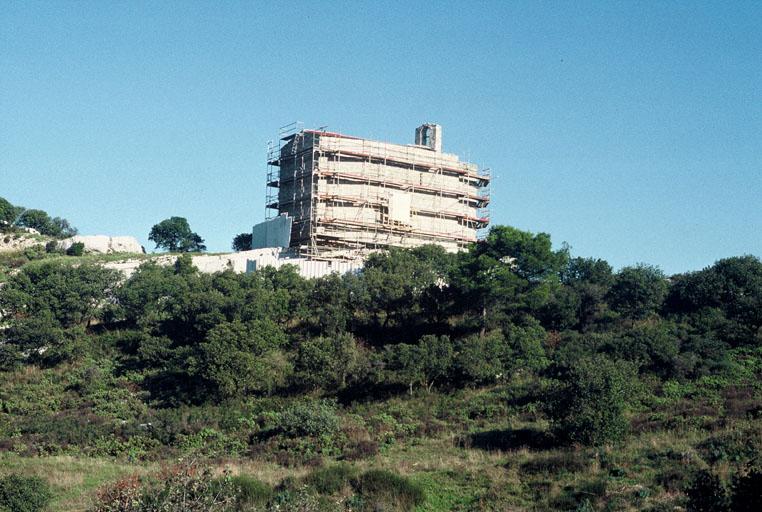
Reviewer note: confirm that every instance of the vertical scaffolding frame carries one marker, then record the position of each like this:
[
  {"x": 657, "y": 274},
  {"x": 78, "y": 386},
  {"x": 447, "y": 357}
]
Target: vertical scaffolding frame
[{"x": 341, "y": 188}]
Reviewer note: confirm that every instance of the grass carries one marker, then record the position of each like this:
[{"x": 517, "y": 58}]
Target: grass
[
  {"x": 73, "y": 480},
  {"x": 649, "y": 470},
  {"x": 450, "y": 476}
]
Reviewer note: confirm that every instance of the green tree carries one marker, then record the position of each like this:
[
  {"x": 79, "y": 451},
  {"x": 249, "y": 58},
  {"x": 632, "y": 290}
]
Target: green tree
[
  {"x": 332, "y": 300},
  {"x": 61, "y": 228},
  {"x": 145, "y": 298},
  {"x": 590, "y": 401},
  {"x": 654, "y": 347},
  {"x": 242, "y": 242},
  {"x": 482, "y": 359},
  {"x": 327, "y": 362},
  {"x": 508, "y": 275},
  {"x": 590, "y": 280},
  {"x": 174, "y": 234},
  {"x": 527, "y": 346},
  {"x": 241, "y": 358},
  {"x": 729, "y": 292},
  {"x": 396, "y": 282},
  {"x": 36, "y": 219},
  {"x": 42, "y": 222},
  {"x": 71, "y": 295},
  {"x": 638, "y": 291},
  {"x": 707, "y": 493},
  {"x": 7, "y": 212},
  {"x": 562, "y": 309},
  {"x": 424, "y": 364}
]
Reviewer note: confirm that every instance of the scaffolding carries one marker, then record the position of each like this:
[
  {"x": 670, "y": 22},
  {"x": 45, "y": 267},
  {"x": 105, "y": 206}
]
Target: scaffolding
[{"x": 348, "y": 195}]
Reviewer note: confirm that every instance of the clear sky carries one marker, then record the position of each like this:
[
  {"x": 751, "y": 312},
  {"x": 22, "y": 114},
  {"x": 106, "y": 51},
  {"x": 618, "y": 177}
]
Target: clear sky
[{"x": 632, "y": 131}]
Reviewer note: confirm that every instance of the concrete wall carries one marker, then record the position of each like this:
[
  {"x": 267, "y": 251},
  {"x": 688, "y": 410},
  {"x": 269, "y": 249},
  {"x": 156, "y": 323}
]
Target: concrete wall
[
  {"x": 208, "y": 263},
  {"x": 245, "y": 261},
  {"x": 275, "y": 232},
  {"x": 306, "y": 268}
]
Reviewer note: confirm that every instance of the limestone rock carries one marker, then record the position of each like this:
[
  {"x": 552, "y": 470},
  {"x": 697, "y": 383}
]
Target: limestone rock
[{"x": 105, "y": 244}]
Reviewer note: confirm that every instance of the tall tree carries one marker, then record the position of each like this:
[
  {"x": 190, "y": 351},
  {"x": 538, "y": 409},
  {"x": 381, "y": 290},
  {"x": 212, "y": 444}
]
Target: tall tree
[
  {"x": 730, "y": 291},
  {"x": 7, "y": 211},
  {"x": 638, "y": 291},
  {"x": 242, "y": 242},
  {"x": 509, "y": 274},
  {"x": 36, "y": 219},
  {"x": 174, "y": 234},
  {"x": 397, "y": 281}
]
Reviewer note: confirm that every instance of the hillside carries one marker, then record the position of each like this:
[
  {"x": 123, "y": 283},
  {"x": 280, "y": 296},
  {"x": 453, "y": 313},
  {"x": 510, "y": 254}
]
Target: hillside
[{"x": 509, "y": 377}]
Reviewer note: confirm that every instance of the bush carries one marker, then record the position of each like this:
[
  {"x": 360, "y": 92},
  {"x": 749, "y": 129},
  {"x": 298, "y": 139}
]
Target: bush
[
  {"x": 312, "y": 418},
  {"x": 124, "y": 495},
  {"x": 747, "y": 492},
  {"x": 332, "y": 479},
  {"x": 383, "y": 490},
  {"x": 23, "y": 494},
  {"x": 186, "y": 488},
  {"x": 588, "y": 406},
  {"x": 76, "y": 249},
  {"x": 52, "y": 248},
  {"x": 10, "y": 357},
  {"x": 250, "y": 492},
  {"x": 707, "y": 493},
  {"x": 732, "y": 446},
  {"x": 36, "y": 252}
]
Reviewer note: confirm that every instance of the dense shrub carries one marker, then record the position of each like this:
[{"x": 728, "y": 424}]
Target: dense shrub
[
  {"x": 76, "y": 249},
  {"x": 332, "y": 479},
  {"x": 638, "y": 291},
  {"x": 69, "y": 295},
  {"x": 482, "y": 359},
  {"x": 383, "y": 490},
  {"x": 747, "y": 492},
  {"x": 10, "y": 357},
  {"x": 249, "y": 492},
  {"x": 217, "y": 365},
  {"x": 733, "y": 446},
  {"x": 316, "y": 418},
  {"x": 327, "y": 362},
  {"x": 424, "y": 363},
  {"x": 23, "y": 494},
  {"x": 707, "y": 493},
  {"x": 589, "y": 405}
]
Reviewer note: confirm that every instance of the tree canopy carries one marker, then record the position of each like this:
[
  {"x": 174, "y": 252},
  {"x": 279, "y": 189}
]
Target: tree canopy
[
  {"x": 242, "y": 242},
  {"x": 174, "y": 234},
  {"x": 38, "y": 220}
]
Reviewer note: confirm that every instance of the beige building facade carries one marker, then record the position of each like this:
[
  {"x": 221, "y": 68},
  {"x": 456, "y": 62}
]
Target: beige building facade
[{"x": 347, "y": 194}]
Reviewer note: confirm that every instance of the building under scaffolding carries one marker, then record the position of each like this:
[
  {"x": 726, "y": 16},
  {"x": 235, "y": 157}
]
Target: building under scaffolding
[{"x": 345, "y": 195}]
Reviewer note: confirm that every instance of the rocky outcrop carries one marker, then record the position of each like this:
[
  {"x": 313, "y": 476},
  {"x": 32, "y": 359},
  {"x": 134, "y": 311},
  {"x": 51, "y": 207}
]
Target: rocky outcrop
[
  {"x": 12, "y": 242},
  {"x": 105, "y": 244}
]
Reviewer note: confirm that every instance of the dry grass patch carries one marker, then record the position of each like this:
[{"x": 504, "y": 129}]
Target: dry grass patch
[{"x": 72, "y": 479}]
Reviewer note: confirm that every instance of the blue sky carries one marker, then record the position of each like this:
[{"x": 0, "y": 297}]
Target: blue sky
[{"x": 632, "y": 131}]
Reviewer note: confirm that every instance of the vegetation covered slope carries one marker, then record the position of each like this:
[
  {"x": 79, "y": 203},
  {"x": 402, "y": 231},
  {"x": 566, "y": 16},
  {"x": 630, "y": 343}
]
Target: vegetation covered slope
[{"x": 508, "y": 377}]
